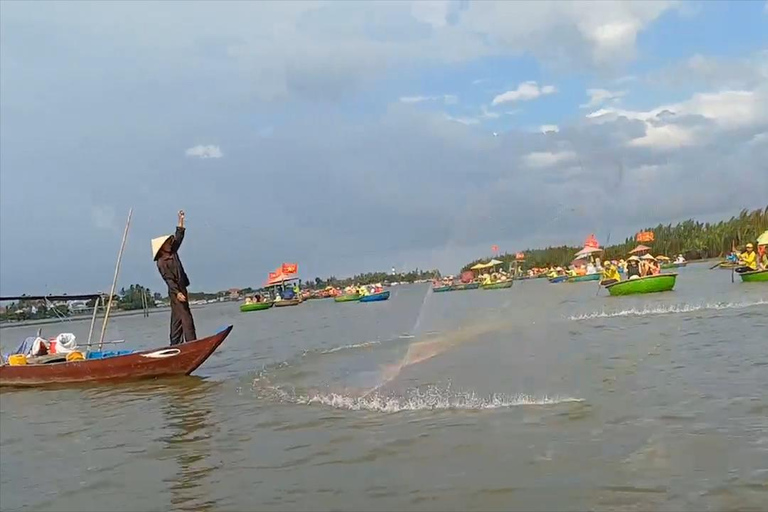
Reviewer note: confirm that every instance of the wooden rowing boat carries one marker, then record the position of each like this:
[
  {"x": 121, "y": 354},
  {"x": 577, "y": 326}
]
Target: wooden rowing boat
[
  {"x": 647, "y": 284},
  {"x": 180, "y": 359},
  {"x": 255, "y": 306},
  {"x": 755, "y": 276},
  {"x": 375, "y": 297}
]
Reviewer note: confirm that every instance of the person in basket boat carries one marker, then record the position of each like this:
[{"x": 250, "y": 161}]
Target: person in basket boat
[
  {"x": 610, "y": 274},
  {"x": 748, "y": 259},
  {"x": 633, "y": 268},
  {"x": 763, "y": 256},
  {"x": 165, "y": 251}
]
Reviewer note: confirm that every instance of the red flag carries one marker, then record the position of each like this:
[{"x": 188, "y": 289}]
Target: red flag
[
  {"x": 273, "y": 276},
  {"x": 495, "y": 248},
  {"x": 290, "y": 268},
  {"x": 644, "y": 236}
]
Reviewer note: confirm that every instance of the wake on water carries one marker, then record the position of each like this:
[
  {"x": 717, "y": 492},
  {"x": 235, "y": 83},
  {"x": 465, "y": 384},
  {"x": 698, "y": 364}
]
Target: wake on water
[{"x": 667, "y": 310}]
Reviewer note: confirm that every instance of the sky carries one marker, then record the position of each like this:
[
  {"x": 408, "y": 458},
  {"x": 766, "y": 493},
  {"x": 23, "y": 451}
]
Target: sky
[{"x": 361, "y": 136}]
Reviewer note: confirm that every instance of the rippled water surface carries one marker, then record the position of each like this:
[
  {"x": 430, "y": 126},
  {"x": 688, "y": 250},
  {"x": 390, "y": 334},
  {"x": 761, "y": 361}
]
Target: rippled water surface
[{"x": 539, "y": 397}]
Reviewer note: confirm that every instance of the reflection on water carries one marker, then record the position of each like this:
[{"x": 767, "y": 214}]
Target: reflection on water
[{"x": 541, "y": 397}]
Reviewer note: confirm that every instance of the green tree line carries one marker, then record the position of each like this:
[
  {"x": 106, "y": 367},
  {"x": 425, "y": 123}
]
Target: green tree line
[
  {"x": 373, "y": 277},
  {"x": 694, "y": 240}
]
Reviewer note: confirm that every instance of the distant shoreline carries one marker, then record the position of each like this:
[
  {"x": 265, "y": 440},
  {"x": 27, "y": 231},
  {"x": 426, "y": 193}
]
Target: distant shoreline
[{"x": 81, "y": 318}]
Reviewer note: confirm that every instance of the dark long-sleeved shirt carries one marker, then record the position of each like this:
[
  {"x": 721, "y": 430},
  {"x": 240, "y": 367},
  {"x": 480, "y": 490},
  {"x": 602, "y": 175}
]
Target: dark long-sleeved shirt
[{"x": 170, "y": 266}]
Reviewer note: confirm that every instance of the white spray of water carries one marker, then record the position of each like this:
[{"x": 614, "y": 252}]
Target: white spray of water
[
  {"x": 430, "y": 398},
  {"x": 667, "y": 310}
]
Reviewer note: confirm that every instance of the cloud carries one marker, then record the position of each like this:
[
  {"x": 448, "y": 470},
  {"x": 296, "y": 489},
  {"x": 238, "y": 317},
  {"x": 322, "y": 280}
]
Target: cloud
[
  {"x": 201, "y": 151},
  {"x": 447, "y": 99},
  {"x": 599, "y": 97},
  {"x": 548, "y": 158},
  {"x": 709, "y": 72},
  {"x": 549, "y": 128},
  {"x": 695, "y": 120},
  {"x": 526, "y": 91},
  {"x": 463, "y": 120}
]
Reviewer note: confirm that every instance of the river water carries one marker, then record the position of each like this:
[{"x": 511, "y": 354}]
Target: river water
[{"x": 540, "y": 397}]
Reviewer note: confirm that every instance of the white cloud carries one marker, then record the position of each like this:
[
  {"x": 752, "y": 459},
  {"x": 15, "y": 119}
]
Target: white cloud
[
  {"x": 526, "y": 91},
  {"x": 549, "y": 128},
  {"x": 548, "y": 158},
  {"x": 201, "y": 151},
  {"x": 448, "y": 99},
  {"x": 726, "y": 110},
  {"x": 599, "y": 97}
]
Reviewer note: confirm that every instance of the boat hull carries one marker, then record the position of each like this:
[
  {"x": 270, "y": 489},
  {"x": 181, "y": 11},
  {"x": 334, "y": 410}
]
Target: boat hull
[
  {"x": 441, "y": 289},
  {"x": 288, "y": 302},
  {"x": 497, "y": 286},
  {"x": 255, "y": 306},
  {"x": 180, "y": 359},
  {"x": 649, "y": 284},
  {"x": 347, "y": 298},
  {"x": 756, "y": 276},
  {"x": 465, "y": 286},
  {"x": 558, "y": 279},
  {"x": 673, "y": 265},
  {"x": 375, "y": 297},
  {"x": 582, "y": 279}
]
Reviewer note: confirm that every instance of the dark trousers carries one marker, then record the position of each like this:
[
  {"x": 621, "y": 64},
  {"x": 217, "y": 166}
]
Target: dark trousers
[{"x": 181, "y": 321}]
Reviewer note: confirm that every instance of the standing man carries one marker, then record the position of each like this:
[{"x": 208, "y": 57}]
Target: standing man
[{"x": 165, "y": 250}]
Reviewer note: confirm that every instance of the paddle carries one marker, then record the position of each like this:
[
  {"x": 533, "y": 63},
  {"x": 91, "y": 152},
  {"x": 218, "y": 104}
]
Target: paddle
[
  {"x": 599, "y": 281},
  {"x": 716, "y": 265}
]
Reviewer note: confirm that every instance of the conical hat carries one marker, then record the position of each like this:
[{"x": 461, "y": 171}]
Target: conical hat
[{"x": 157, "y": 243}]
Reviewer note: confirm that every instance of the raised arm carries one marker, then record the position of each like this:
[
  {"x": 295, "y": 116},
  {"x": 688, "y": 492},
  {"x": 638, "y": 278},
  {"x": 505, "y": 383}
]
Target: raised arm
[{"x": 180, "y": 230}]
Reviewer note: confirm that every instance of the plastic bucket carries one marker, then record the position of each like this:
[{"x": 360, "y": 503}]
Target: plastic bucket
[{"x": 17, "y": 360}]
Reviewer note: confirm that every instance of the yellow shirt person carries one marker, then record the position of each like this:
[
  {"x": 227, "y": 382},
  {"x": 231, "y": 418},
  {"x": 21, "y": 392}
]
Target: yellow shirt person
[{"x": 749, "y": 257}]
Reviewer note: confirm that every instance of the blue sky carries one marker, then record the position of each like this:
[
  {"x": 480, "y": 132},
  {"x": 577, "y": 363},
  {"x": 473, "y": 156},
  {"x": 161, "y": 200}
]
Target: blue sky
[{"x": 360, "y": 136}]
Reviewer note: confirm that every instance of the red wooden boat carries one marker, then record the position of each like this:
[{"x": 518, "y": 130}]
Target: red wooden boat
[{"x": 180, "y": 359}]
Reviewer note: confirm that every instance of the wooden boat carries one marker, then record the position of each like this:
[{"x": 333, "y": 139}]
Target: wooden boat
[
  {"x": 497, "y": 286},
  {"x": 375, "y": 297},
  {"x": 755, "y": 276},
  {"x": 287, "y": 302},
  {"x": 673, "y": 265},
  {"x": 557, "y": 279},
  {"x": 648, "y": 284},
  {"x": 440, "y": 289},
  {"x": 465, "y": 286},
  {"x": 180, "y": 359},
  {"x": 584, "y": 278},
  {"x": 255, "y": 306},
  {"x": 347, "y": 298}
]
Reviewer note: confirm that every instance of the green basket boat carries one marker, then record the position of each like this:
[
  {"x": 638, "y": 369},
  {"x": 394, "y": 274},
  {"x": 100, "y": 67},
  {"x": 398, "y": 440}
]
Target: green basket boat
[
  {"x": 581, "y": 279},
  {"x": 255, "y": 306},
  {"x": 347, "y": 298},
  {"x": 440, "y": 289},
  {"x": 465, "y": 286},
  {"x": 648, "y": 284},
  {"x": 497, "y": 286},
  {"x": 756, "y": 276}
]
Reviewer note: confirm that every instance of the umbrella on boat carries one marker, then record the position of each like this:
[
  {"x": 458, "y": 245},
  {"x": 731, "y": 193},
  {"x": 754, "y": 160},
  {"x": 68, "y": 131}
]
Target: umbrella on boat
[
  {"x": 640, "y": 248},
  {"x": 481, "y": 266},
  {"x": 763, "y": 239},
  {"x": 586, "y": 251},
  {"x": 662, "y": 258}
]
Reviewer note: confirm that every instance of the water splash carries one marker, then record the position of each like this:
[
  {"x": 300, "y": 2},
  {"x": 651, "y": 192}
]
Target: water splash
[
  {"x": 350, "y": 347},
  {"x": 427, "y": 399},
  {"x": 667, "y": 310}
]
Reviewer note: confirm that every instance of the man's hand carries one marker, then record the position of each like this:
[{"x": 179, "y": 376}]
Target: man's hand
[
  {"x": 180, "y": 297},
  {"x": 181, "y": 218}
]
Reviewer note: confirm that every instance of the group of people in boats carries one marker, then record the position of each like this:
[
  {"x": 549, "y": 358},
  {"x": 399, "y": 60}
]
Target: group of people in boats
[
  {"x": 749, "y": 260},
  {"x": 633, "y": 267},
  {"x": 363, "y": 290}
]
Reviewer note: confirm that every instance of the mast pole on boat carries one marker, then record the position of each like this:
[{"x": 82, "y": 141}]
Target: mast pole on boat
[
  {"x": 114, "y": 280},
  {"x": 93, "y": 318}
]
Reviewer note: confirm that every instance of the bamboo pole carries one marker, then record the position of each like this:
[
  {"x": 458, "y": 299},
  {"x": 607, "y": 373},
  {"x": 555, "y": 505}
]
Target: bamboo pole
[
  {"x": 93, "y": 318},
  {"x": 114, "y": 280}
]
